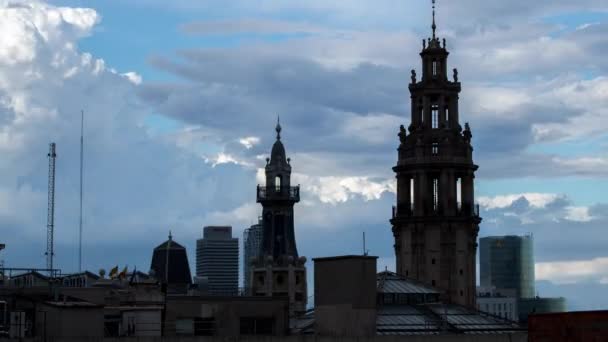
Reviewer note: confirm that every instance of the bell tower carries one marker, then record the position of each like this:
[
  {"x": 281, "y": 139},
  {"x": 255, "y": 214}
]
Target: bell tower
[
  {"x": 435, "y": 222},
  {"x": 279, "y": 271}
]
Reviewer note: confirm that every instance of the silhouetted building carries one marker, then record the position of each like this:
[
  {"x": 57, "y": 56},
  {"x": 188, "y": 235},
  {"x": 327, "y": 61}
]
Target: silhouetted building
[
  {"x": 217, "y": 259},
  {"x": 581, "y": 326},
  {"x": 507, "y": 262},
  {"x": 436, "y": 220},
  {"x": 252, "y": 247},
  {"x": 170, "y": 266},
  {"x": 279, "y": 271},
  {"x": 352, "y": 300},
  {"x": 226, "y": 316}
]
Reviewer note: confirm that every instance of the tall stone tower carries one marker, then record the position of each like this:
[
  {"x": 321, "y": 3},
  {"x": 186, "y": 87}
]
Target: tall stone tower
[
  {"x": 279, "y": 271},
  {"x": 436, "y": 221}
]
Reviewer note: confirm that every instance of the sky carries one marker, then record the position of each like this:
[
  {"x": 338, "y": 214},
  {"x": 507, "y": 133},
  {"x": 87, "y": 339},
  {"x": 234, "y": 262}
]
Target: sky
[{"x": 181, "y": 99}]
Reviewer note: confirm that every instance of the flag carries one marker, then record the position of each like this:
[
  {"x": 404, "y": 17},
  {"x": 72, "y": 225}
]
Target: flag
[
  {"x": 113, "y": 272},
  {"x": 123, "y": 273}
]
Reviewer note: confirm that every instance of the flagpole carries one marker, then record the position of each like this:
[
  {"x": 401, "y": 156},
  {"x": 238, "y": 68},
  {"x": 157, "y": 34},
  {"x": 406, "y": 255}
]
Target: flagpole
[{"x": 81, "y": 181}]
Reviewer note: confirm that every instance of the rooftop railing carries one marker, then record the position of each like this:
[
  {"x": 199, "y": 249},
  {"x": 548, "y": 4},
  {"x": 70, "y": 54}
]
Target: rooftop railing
[
  {"x": 279, "y": 192},
  {"x": 406, "y": 210}
]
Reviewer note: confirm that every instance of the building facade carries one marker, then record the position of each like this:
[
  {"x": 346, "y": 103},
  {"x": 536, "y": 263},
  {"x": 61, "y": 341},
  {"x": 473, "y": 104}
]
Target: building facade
[
  {"x": 507, "y": 262},
  {"x": 538, "y": 305},
  {"x": 217, "y": 260},
  {"x": 436, "y": 221},
  {"x": 498, "y": 302},
  {"x": 279, "y": 271},
  {"x": 252, "y": 246}
]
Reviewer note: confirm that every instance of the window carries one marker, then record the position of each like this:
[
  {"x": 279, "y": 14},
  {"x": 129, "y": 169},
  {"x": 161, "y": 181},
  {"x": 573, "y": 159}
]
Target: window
[
  {"x": 256, "y": 326},
  {"x": 435, "y": 115},
  {"x": 435, "y": 149},
  {"x": 459, "y": 191},
  {"x": 412, "y": 191},
  {"x": 435, "y": 194},
  {"x": 434, "y": 68},
  {"x": 204, "y": 326},
  {"x": 421, "y": 115},
  {"x": 277, "y": 183},
  {"x": 433, "y": 282},
  {"x": 461, "y": 272},
  {"x": 433, "y": 261},
  {"x": 407, "y": 273},
  {"x": 461, "y": 293}
]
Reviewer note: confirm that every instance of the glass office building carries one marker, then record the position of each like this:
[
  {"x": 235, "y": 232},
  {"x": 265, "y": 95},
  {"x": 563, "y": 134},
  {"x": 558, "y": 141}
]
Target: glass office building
[{"x": 507, "y": 262}]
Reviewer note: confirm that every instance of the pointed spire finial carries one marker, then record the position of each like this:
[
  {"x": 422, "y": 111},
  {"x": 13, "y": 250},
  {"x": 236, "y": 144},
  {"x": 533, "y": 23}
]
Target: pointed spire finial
[
  {"x": 278, "y": 128},
  {"x": 434, "y": 26},
  {"x": 170, "y": 235}
]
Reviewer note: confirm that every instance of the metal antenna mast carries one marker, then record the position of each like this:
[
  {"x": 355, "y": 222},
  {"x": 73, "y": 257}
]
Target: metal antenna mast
[
  {"x": 81, "y": 168},
  {"x": 50, "y": 223}
]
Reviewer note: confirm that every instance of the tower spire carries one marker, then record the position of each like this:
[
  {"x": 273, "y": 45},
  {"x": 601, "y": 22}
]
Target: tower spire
[
  {"x": 278, "y": 128},
  {"x": 434, "y": 26}
]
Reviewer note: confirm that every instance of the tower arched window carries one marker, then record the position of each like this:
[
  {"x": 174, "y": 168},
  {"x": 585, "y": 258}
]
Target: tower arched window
[
  {"x": 435, "y": 66},
  {"x": 459, "y": 193},
  {"x": 277, "y": 183},
  {"x": 435, "y": 115}
]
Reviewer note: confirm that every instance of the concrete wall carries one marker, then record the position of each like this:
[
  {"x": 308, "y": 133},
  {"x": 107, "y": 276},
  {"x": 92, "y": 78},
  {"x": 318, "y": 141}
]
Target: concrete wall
[
  {"x": 71, "y": 322},
  {"x": 346, "y": 280},
  {"x": 345, "y": 296},
  {"x": 520, "y": 337},
  {"x": 227, "y": 312}
]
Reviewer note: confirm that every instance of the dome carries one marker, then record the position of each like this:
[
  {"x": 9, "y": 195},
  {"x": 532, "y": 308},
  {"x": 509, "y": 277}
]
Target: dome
[{"x": 278, "y": 153}]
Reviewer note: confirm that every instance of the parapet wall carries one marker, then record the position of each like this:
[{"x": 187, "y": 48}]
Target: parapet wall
[{"x": 516, "y": 337}]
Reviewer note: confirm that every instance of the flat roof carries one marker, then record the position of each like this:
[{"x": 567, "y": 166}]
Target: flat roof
[{"x": 344, "y": 257}]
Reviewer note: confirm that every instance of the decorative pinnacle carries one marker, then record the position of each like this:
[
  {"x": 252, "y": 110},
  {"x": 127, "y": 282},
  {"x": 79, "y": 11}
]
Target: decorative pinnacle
[
  {"x": 170, "y": 235},
  {"x": 434, "y": 27},
  {"x": 278, "y": 128}
]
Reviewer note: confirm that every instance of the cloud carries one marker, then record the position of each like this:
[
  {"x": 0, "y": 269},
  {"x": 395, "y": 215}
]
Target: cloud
[
  {"x": 247, "y": 26},
  {"x": 564, "y": 272},
  {"x": 249, "y": 142},
  {"x": 537, "y": 200}
]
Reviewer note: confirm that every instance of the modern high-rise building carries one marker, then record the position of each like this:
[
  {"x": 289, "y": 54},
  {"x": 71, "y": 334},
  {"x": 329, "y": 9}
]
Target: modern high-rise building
[
  {"x": 507, "y": 262},
  {"x": 252, "y": 246},
  {"x": 217, "y": 260},
  {"x": 436, "y": 220}
]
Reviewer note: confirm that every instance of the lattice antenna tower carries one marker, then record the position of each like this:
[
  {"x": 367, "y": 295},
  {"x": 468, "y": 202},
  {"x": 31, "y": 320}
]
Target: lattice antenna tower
[{"x": 50, "y": 219}]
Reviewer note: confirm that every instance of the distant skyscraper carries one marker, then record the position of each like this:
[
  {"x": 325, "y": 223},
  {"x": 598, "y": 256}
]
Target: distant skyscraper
[
  {"x": 507, "y": 262},
  {"x": 252, "y": 242},
  {"x": 217, "y": 259}
]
